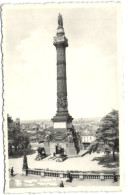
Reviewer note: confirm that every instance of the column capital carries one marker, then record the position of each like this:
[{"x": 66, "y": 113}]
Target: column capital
[{"x": 60, "y": 41}]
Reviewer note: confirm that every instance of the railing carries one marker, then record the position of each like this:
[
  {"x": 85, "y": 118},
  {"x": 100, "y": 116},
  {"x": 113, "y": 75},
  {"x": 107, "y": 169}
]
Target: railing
[
  {"x": 91, "y": 176},
  {"x": 75, "y": 175}
]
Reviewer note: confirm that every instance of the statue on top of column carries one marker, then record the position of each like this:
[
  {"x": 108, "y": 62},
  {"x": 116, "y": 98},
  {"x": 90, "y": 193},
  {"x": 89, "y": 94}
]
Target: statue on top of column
[{"x": 60, "y": 21}]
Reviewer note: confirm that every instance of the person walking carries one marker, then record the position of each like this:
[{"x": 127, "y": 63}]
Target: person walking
[
  {"x": 115, "y": 179},
  {"x": 61, "y": 184},
  {"x": 69, "y": 176},
  {"x": 12, "y": 171}
]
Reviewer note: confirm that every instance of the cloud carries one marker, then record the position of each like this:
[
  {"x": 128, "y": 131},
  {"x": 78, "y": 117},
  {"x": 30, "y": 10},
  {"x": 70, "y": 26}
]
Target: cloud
[
  {"x": 92, "y": 81},
  {"x": 34, "y": 79},
  {"x": 31, "y": 62}
]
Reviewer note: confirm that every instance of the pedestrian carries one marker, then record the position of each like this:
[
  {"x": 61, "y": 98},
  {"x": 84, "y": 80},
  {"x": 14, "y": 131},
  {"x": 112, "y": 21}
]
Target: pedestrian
[
  {"x": 115, "y": 178},
  {"x": 12, "y": 171},
  {"x": 70, "y": 179},
  {"x": 61, "y": 184},
  {"x": 69, "y": 176}
]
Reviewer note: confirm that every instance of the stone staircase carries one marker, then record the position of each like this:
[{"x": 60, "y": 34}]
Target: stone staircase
[
  {"x": 80, "y": 154},
  {"x": 83, "y": 152}
]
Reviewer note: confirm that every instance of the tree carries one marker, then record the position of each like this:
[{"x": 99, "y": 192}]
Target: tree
[
  {"x": 107, "y": 135},
  {"x": 21, "y": 140}
]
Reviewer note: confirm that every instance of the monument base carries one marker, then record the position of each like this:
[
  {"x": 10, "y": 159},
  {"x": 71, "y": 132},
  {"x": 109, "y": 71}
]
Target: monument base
[
  {"x": 47, "y": 147},
  {"x": 68, "y": 149},
  {"x": 62, "y": 116},
  {"x": 61, "y": 140}
]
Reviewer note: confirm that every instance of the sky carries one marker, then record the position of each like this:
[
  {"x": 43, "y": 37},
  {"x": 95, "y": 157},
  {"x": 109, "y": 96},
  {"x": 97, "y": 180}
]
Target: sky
[{"x": 30, "y": 60}]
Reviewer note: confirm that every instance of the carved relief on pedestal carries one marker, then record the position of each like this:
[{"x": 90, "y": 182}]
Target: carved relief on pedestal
[
  {"x": 59, "y": 136},
  {"x": 62, "y": 103},
  {"x": 48, "y": 137},
  {"x": 69, "y": 137}
]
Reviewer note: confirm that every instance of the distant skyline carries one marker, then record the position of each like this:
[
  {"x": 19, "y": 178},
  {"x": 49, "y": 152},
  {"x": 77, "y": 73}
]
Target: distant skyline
[
  {"x": 89, "y": 118},
  {"x": 91, "y": 61}
]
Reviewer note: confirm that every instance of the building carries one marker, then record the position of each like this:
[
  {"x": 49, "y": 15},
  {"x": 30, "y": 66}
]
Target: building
[{"x": 87, "y": 140}]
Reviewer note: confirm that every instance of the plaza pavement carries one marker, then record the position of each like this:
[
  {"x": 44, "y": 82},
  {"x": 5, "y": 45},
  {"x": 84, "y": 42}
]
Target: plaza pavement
[{"x": 84, "y": 163}]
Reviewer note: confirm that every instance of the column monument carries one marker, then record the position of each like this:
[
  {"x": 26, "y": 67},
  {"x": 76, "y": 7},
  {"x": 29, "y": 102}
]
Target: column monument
[
  {"x": 62, "y": 118},
  {"x": 63, "y": 135}
]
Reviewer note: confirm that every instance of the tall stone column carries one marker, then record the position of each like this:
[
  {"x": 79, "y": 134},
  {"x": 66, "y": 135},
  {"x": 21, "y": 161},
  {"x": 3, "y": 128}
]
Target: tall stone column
[
  {"x": 63, "y": 135},
  {"x": 61, "y": 42}
]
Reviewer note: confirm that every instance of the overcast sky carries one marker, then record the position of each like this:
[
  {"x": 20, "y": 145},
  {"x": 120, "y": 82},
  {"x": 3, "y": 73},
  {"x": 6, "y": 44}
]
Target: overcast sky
[{"x": 30, "y": 60}]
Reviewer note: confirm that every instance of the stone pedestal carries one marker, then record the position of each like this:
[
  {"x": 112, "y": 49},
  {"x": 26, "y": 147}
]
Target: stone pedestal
[
  {"x": 47, "y": 147},
  {"x": 61, "y": 175},
  {"x": 81, "y": 177},
  {"x": 71, "y": 149},
  {"x": 42, "y": 174},
  {"x": 24, "y": 172}
]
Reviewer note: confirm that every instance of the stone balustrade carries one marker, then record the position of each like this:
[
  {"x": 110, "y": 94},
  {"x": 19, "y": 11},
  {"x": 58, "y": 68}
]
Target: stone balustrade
[{"x": 75, "y": 175}]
